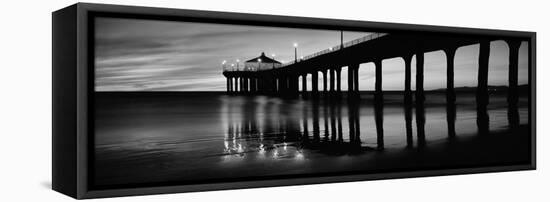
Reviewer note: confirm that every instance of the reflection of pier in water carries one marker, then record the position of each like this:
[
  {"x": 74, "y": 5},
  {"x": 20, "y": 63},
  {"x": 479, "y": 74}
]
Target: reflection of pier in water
[
  {"x": 331, "y": 127},
  {"x": 271, "y": 130}
]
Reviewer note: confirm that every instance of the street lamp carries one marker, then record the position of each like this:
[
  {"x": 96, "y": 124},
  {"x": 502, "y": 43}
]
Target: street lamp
[
  {"x": 341, "y": 39},
  {"x": 259, "y": 61},
  {"x": 295, "y": 52},
  {"x": 223, "y": 64}
]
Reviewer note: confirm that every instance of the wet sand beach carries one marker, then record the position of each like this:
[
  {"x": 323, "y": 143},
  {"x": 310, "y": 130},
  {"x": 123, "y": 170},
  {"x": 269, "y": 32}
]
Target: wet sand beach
[{"x": 143, "y": 138}]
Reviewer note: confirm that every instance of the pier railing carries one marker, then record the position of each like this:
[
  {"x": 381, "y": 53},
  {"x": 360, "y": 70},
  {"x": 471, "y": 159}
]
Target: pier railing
[{"x": 318, "y": 53}]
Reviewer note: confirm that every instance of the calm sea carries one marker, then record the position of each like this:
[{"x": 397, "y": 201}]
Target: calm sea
[{"x": 144, "y": 138}]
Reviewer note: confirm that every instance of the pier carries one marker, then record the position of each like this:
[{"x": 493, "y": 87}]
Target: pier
[{"x": 284, "y": 80}]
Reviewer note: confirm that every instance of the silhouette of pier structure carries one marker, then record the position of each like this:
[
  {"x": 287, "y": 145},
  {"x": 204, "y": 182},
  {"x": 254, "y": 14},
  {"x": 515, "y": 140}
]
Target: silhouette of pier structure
[{"x": 284, "y": 80}]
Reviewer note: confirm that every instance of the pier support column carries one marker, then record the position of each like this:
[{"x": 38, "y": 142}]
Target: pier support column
[
  {"x": 240, "y": 84},
  {"x": 257, "y": 84},
  {"x": 260, "y": 83},
  {"x": 295, "y": 87},
  {"x": 284, "y": 85},
  {"x": 482, "y": 94},
  {"x": 339, "y": 80},
  {"x": 304, "y": 85},
  {"x": 513, "y": 114},
  {"x": 420, "y": 76},
  {"x": 251, "y": 84},
  {"x": 408, "y": 123},
  {"x": 350, "y": 79},
  {"x": 332, "y": 71},
  {"x": 274, "y": 85},
  {"x": 227, "y": 85},
  {"x": 379, "y": 105},
  {"x": 252, "y": 87},
  {"x": 277, "y": 85},
  {"x": 420, "y": 113},
  {"x": 378, "y": 73},
  {"x": 356, "y": 80},
  {"x": 236, "y": 84},
  {"x": 379, "y": 119},
  {"x": 450, "y": 53},
  {"x": 325, "y": 74},
  {"x": 408, "y": 93},
  {"x": 315, "y": 83},
  {"x": 254, "y": 83},
  {"x": 240, "y": 81},
  {"x": 287, "y": 84},
  {"x": 230, "y": 82},
  {"x": 451, "y": 97},
  {"x": 248, "y": 84},
  {"x": 245, "y": 80}
]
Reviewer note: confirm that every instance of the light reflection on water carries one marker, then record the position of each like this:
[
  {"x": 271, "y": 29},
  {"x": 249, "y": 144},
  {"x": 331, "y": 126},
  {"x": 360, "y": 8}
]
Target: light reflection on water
[
  {"x": 189, "y": 137},
  {"x": 269, "y": 127}
]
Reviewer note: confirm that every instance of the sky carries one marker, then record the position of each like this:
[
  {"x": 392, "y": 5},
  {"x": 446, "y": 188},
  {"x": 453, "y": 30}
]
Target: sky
[{"x": 152, "y": 55}]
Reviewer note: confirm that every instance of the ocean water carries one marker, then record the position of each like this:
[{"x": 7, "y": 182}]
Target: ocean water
[{"x": 179, "y": 138}]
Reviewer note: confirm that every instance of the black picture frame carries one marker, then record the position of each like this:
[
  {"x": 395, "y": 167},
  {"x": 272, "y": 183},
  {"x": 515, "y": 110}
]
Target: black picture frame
[{"x": 73, "y": 82}]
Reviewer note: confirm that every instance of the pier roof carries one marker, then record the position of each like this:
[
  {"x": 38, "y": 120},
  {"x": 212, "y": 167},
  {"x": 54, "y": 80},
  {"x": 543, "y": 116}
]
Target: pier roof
[{"x": 264, "y": 59}]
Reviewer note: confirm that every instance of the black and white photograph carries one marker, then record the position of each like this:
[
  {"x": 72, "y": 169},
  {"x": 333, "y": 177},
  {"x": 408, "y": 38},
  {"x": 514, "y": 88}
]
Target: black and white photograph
[
  {"x": 270, "y": 101},
  {"x": 179, "y": 102}
]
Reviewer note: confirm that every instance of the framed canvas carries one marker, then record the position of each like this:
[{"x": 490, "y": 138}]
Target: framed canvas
[{"x": 156, "y": 100}]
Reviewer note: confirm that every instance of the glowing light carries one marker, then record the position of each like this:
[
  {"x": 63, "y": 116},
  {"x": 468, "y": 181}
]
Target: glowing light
[
  {"x": 240, "y": 150},
  {"x": 238, "y": 60},
  {"x": 259, "y": 60},
  {"x": 299, "y": 156},
  {"x": 295, "y": 44},
  {"x": 224, "y": 62},
  {"x": 262, "y": 149}
]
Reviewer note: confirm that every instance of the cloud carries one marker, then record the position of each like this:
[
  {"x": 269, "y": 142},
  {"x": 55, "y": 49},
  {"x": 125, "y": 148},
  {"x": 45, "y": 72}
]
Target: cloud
[{"x": 152, "y": 55}]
